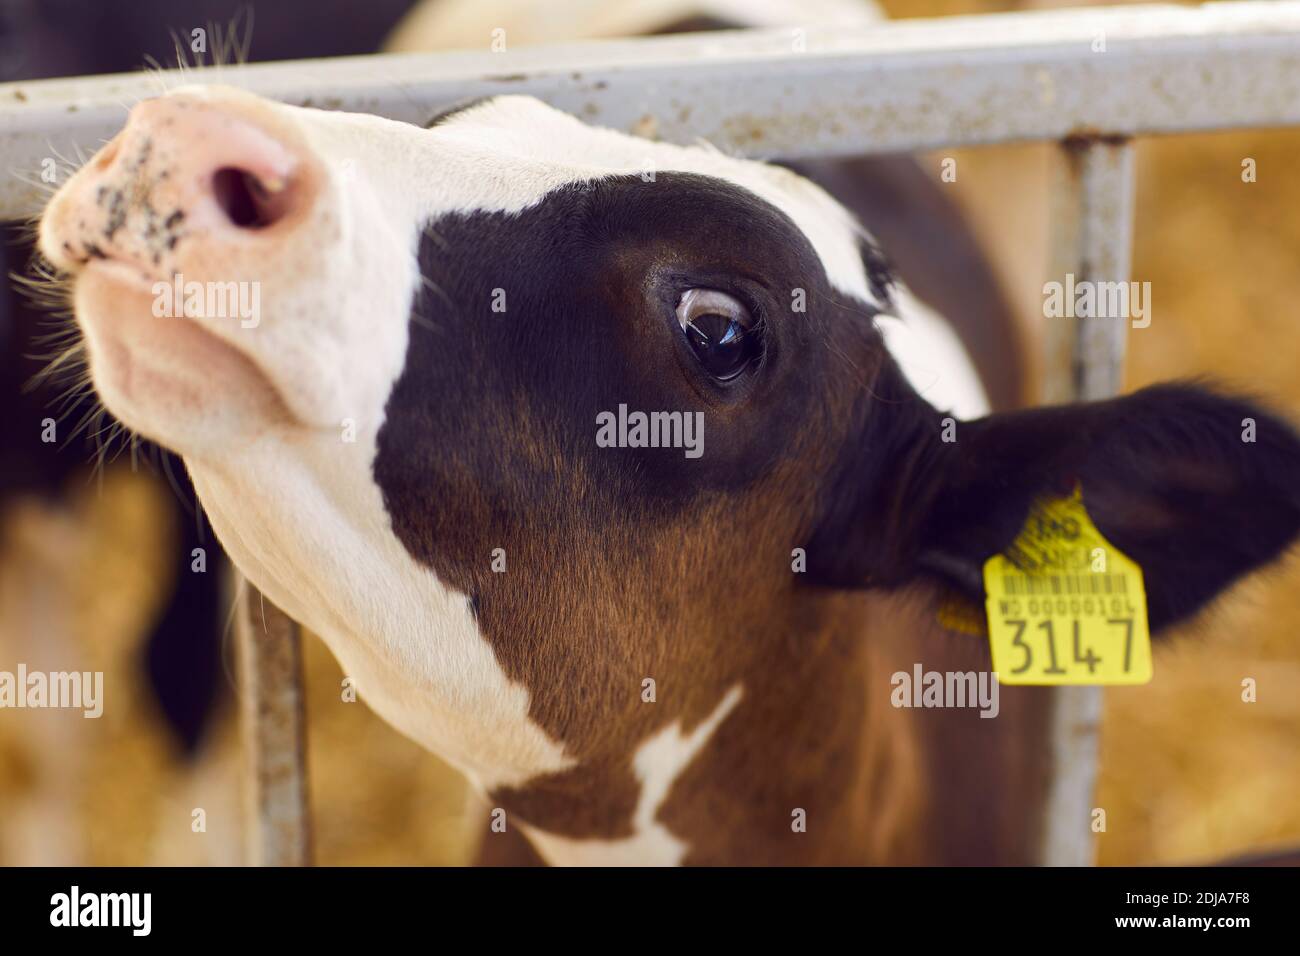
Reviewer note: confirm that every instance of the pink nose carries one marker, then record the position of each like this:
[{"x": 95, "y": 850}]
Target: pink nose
[{"x": 185, "y": 171}]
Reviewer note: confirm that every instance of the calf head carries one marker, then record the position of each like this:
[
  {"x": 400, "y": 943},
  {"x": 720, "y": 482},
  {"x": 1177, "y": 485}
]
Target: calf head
[{"x": 425, "y": 446}]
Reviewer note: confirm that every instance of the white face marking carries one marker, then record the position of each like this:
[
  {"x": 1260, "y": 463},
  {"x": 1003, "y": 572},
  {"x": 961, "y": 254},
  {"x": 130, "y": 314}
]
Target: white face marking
[
  {"x": 658, "y": 762},
  {"x": 932, "y": 358},
  {"x": 292, "y": 498},
  {"x": 512, "y": 151},
  {"x": 464, "y": 24},
  {"x": 325, "y": 555}
]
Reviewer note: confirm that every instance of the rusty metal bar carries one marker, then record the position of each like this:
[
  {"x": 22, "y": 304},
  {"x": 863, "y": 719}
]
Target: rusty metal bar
[
  {"x": 893, "y": 87},
  {"x": 1092, "y": 223},
  {"x": 274, "y": 730}
]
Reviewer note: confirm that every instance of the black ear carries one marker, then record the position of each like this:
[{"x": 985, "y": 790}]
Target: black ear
[{"x": 1197, "y": 489}]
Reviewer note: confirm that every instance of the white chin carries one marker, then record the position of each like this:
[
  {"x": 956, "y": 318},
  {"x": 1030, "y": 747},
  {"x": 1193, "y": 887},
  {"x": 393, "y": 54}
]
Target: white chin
[{"x": 167, "y": 378}]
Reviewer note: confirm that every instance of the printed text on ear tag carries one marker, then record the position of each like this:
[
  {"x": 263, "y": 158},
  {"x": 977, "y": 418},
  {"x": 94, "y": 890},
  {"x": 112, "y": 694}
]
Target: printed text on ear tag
[{"x": 1064, "y": 605}]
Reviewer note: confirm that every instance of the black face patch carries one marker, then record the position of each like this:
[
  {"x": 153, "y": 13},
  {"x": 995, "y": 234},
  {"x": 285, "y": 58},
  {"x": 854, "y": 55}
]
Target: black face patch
[
  {"x": 592, "y": 568},
  {"x": 532, "y": 325}
]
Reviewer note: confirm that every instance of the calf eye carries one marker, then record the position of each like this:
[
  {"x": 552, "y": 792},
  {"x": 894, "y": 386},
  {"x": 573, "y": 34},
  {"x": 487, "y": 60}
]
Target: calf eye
[{"x": 720, "y": 330}]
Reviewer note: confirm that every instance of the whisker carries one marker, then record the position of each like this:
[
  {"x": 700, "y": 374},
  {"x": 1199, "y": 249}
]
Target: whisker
[
  {"x": 86, "y": 421},
  {"x": 166, "y": 462},
  {"x": 433, "y": 287},
  {"x": 424, "y": 323},
  {"x": 226, "y": 633},
  {"x": 437, "y": 238},
  {"x": 182, "y": 58},
  {"x": 48, "y": 188}
]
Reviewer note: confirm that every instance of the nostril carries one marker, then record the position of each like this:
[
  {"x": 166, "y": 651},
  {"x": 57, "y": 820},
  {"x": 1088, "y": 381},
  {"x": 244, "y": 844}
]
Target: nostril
[{"x": 247, "y": 201}]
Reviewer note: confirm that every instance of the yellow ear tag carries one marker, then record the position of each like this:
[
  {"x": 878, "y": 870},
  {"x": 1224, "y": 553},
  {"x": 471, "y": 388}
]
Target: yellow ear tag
[{"x": 1065, "y": 606}]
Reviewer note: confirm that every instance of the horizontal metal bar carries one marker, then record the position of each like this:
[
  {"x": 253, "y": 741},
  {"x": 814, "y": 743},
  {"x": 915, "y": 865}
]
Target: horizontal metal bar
[{"x": 898, "y": 86}]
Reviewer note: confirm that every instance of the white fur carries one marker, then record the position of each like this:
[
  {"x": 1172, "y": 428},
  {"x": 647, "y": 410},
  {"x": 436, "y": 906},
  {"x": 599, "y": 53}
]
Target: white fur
[
  {"x": 469, "y": 24},
  {"x": 658, "y": 762},
  {"x": 306, "y": 524},
  {"x": 932, "y": 358}
]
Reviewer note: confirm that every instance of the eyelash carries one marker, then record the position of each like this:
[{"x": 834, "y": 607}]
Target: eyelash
[{"x": 754, "y": 324}]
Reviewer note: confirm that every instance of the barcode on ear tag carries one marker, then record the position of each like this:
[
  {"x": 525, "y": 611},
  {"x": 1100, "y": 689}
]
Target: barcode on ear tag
[{"x": 1064, "y": 605}]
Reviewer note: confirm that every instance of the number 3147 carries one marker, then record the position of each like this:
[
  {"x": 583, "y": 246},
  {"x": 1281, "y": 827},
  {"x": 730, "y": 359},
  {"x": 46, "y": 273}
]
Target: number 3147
[{"x": 1043, "y": 636}]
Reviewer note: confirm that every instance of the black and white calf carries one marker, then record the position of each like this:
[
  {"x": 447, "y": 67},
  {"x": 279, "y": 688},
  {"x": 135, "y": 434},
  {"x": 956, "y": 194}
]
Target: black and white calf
[{"x": 402, "y": 453}]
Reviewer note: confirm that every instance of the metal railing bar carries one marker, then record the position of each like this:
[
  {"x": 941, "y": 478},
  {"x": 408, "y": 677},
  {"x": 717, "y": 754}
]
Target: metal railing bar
[
  {"x": 272, "y": 720},
  {"x": 896, "y": 87},
  {"x": 1092, "y": 226}
]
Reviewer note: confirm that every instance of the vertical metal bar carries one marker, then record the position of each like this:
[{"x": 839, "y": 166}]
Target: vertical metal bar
[
  {"x": 1092, "y": 241},
  {"x": 1092, "y": 218},
  {"x": 277, "y": 829}
]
